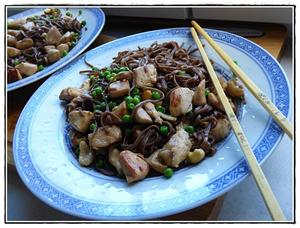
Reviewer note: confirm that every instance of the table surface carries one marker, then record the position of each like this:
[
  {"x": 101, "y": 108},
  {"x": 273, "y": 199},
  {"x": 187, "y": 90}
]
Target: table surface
[{"x": 273, "y": 41}]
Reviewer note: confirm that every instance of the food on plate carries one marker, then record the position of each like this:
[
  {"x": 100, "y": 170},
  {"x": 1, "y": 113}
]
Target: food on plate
[
  {"x": 36, "y": 42},
  {"x": 152, "y": 111}
]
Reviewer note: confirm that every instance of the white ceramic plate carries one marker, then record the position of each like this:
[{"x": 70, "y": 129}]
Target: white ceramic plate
[
  {"x": 44, "y": 161},
  {"x": 95, "y": 21}
]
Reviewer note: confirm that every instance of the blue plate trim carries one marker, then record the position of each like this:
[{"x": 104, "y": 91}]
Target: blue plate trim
[
  {"x": 76, "y": 51},
  {"x": 90, "y": 210}
]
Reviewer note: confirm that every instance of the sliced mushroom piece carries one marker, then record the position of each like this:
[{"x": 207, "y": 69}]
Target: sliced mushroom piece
[
  {"x": 181, "y": 101},
  {"x": 16, "y": 24},
  {"x": 151, "y": 110},
  {"x": 75, "y": 137},
  {"x": 176, "y": 149},
  {"x": 24, "y": 44},
  {"x": 133, "y": 165},
  {"x": 53, "y": 55},
  {"x": 199, "y": 97},
  {"x": 28, "y": 26},
  {"x": 15, "y": 33},
  {"x": 167, "y": 117},
  {"x": 62, "y": 48},
  {"x": 80, "y": 120},
  {"x": 118, "y": 88},
  {"x": 223, "y": 83},
  {"x": 233, "y": 90},
  {"x": 70, "y": 93},
  {"x": 221, "y": 130},
  {"x": 145, "y": 75},
  {"x": 106, "y": 136},
  {"x": 75, "y": 103},
  {"x": 11, "y": 40},
  {"x": 13, "y": 52},
  {"x": 214, "y": 101},
  {"x": 49, "y": 47},
  {"x": 120, "y": 110},
  {"x": 125, "y": 75},
  {"x": 114, "y": 159},
  {"x": 155, "y": 162},
  {"x": 13, "y": 75},
  {"x": 67, "y": 37},
  {"x": 27, "y": 68},
  {"x": 53, "y": 35},
  {"x": 142, "y": 117},
  {"x": 86, "y": 156}
]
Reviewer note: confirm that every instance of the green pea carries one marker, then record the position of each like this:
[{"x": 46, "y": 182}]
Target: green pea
[
  {"x": 155, "y": 95},
  {"x": 64, "y": 53},
  {"x": 126, "y": 118},
  {"x": 94, "y": 94},
  {"x": 100, "y": 107},
  {"x": 160, "y": 109},
  {"x": 98, "y": 91},
  {"x": 40, "y": 67},
  {"x": 68, "y": 14},
  {"x": 106, "y": 73},
  {"x": 100, "y": 163},
  {"x": 181, "y": 73},
  {"x": 207, "y": 92},
  {"x": 136, "y": 99},
  {"x": 163, "y": 130},
  {"x": 16, "y": 62},
  {"x": 93, "y": 127},
  {"x": 168, "y": 172},
  {"x": 123, "y": 69},
  {"x": 128, "y": 99},
  {"x": 189, "y": 129},
  {"x": 135, "y": 91},
  {"x": 130, "y": 106},
  {"x": 79, "y": 12},
  {"x": 112, "y": 104},
  {"x": 83, "y": 23}
]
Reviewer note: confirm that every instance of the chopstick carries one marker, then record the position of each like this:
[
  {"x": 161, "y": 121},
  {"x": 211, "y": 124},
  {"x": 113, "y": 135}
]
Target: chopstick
[
  {"x": 260, "y": 96},
  {"x": 258, "y": 175}
]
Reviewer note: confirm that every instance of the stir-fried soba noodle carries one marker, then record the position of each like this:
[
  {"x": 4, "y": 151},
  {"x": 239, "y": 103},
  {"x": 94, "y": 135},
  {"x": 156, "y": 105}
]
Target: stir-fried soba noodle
[
  {"x": 38, "y": 41},
  {"x": 154, "y": 110}
]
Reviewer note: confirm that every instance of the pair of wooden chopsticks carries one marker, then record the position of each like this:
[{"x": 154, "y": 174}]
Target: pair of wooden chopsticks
[{"x": 258, "y": 175}]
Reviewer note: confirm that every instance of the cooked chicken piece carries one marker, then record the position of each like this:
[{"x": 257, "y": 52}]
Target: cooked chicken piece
[
  {"x": 142, "y": 117},
  {"x": 221, "y": 130},
  {"x": 67, "y": 37},
  {"x": 120, "y": 110},
  {"x": 16, "y": 24},
  {"x": 176, "y": 149},
  {"x": 11, "y": 40},
  {"x": 233, "y": 90},
  {"x": 214, "y": 101},
  {"x": 53, "y": 55},
  {"x": 53, "y": 35},
  {"x": 70, "y": 93},
  {"x": 156, "y": 163},
  {"x": 145, "y": 75},
  {"x": 24, "y": 44},
  {"x": 49, "y": 47},
  {"x": 114, "y": 159},
  {"x": 27, "y": 68},
  {"x": 133, "y": 165},
  {"x": 13, "y": 52},
  {"x": 80, "y": 120},
  {"x": 106, "y": 136},
  {"x": 199, "y": 97},
  {"x": 62, "y": 48},
  {"x": 181, "y": 101},
  {"x": 167, "y": 117},
  {"x": 85, "y": 85},
  {"x": 118, "y": 89},
  {"x": 15, "y": 33},
  {"x": 150, "y": 109},
  {"x": 13, "y": 75},
  {"x": 86, "y": 156}
]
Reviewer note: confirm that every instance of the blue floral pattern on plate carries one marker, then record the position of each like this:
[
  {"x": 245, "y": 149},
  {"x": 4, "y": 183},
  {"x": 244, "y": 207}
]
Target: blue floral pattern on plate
[{"x": 153, "y": 197}]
